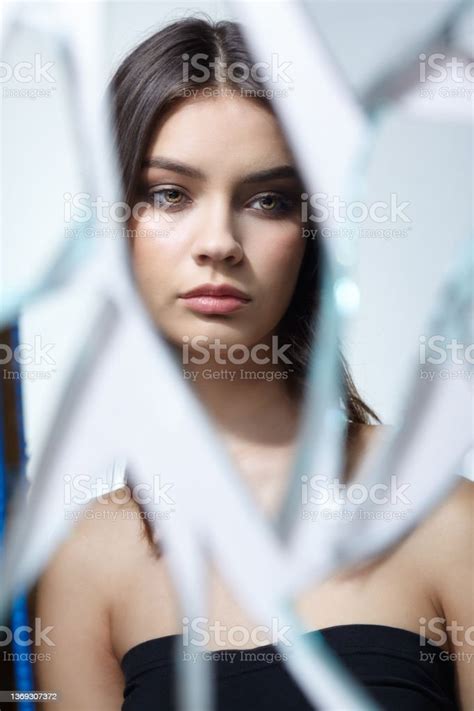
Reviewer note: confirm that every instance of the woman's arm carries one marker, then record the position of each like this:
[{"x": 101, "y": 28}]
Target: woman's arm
[
  {"x": 450, "y": 555},
  {"x": 71, "y": 598}
]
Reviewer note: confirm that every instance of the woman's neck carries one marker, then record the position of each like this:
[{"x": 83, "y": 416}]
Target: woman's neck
[{"x": 258, "y": 412}]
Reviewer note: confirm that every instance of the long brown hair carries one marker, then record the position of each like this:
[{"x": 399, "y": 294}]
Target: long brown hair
[{"x": 146, "y": 86}]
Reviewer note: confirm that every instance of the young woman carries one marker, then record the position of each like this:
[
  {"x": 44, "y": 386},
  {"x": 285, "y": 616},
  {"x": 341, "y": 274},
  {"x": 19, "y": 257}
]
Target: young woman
[{"x": 219, "y": 259}]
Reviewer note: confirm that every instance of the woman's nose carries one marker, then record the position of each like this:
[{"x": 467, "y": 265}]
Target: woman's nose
[{"x": 216, "y": 241}]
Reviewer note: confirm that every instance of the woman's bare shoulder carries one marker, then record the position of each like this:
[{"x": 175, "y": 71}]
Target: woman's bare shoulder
[
  {"x": 74, "y": 596},
  {"x": 446, "y": 544},
  {"x": 106, "y": 537},
  {"x": 448, "y": 533}
]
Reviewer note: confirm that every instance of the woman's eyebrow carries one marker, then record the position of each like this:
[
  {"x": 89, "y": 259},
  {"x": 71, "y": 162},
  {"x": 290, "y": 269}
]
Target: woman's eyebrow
[
  {"x": 280, "y": 171},
  {"x": 173, "y": 165}
]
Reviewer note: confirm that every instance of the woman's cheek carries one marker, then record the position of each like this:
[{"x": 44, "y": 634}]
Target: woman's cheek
[
  {"x": 151, "y": 248},
  {"x": 278, "y": 257}
]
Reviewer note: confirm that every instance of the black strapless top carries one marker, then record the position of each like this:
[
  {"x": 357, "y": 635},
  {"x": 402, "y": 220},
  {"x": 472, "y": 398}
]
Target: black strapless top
[{"x": 388, "y": 661}]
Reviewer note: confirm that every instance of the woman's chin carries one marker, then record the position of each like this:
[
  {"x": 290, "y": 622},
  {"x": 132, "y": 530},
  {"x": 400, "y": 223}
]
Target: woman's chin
[{"x": 203, "y": 333}]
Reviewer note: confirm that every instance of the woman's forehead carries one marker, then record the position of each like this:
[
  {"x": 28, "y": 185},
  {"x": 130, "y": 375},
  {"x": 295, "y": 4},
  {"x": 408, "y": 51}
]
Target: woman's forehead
[{"x": 229, "y": 136}]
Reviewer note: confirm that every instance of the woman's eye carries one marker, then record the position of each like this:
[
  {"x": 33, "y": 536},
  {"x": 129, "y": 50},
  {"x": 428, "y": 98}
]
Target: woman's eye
[
  {"x": 272, "y": 203},
  {"x": 167, "y": 197}
]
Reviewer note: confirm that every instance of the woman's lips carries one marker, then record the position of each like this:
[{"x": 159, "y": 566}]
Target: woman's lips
[
  {"x": 212, "y": 304},
  {"x": 215, "y": 299}
]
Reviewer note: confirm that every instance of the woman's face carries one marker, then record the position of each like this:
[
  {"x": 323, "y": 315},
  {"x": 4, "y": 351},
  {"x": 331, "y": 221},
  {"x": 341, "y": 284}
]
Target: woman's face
[{"x": 222, "y": 209}]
